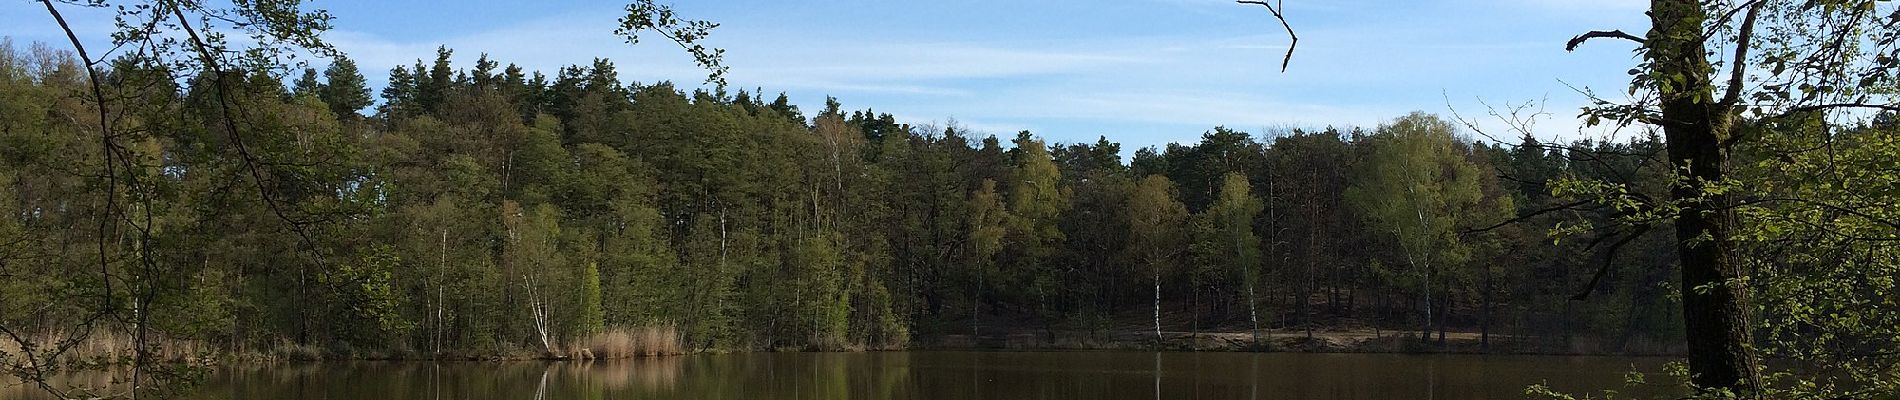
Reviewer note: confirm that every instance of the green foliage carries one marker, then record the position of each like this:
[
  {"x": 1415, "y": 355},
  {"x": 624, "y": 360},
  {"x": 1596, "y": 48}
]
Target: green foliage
[
  {"x": 986, "y": 231},
  {"x": 643, "y": 15},
  {"x": 1224, "y": 245},
  {"x": 590, "y": 318},
  {"x": 307, "y": 84},
  {"x": 362, "y": 298},
  {"x": 1036, "y": 202},
  {"x": 1413, "y": 183},
  {"x": 562, "y": 207},
  {"x": 1156, "y": 225},
  {"x": 345, "y": 89},
  {"x": 1757, "y": 143},
  {"x": 479, "y": 209},
  {"x": 1417, "y": 185},
  {"x": 1824, "y": 271},
  {"x": 820, "y": 293}
]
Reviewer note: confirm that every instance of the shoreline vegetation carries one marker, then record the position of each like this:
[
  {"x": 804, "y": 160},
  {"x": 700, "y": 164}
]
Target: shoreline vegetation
[
  {"x": 107, "y": 349},
  {"x": 113, "y": 349}
]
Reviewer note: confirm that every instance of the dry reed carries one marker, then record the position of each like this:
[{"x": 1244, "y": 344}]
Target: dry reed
[{"x": 631, "y": 342}]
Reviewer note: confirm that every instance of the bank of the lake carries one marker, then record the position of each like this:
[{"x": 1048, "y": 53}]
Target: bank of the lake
[
  {"x": 107, "y": 349},
  {"x": 1342, "y": 341},
  {"x": 930, "y": 375},
  {"x": 1291, "y": 340}
]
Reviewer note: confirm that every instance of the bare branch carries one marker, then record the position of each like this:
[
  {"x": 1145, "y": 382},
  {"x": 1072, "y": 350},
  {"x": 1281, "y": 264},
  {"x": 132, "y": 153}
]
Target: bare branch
[
  {"x": 1615, "y": 34},
  {"x": 1277, "y": 9},
  {"x": 1819, "y": 107},
  {"x": 1527, "y": 216},
  {"x": 1609, "y": 260},
  {"x": 1738, "y": 67}
]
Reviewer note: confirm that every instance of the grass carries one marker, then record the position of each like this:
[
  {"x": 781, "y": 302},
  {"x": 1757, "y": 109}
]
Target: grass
[
  {"x": 629, "y": 342},
  {"x": 105, "y": 347}
]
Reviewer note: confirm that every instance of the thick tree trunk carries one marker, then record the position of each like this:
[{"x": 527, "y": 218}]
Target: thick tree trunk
[
  {"x": 1695, "y": 126},
  {"x": 1716, "y": 318}
]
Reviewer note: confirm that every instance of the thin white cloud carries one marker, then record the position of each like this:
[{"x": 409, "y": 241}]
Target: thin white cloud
[
  {"x": 925, "y": 61},
  {"x": 1204, "y": 109},
  {"x": 1585, "y": 5},
  {"x": 834, "y": 87},
  {"x": 891, "y": 66},
  {"x": 1163, "y": 86}
]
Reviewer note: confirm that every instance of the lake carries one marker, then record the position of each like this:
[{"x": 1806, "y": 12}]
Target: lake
[{"x": 934, "y": 375}]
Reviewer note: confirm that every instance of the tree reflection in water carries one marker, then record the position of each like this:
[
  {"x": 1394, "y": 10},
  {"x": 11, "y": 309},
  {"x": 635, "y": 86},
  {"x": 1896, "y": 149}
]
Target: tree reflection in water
[{"x": 926, "y": 375}]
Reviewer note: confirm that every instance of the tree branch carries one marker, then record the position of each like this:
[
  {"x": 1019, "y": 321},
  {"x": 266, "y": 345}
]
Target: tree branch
[
  {"x": 1615, "y": 34},
  {"x": 1740, "y": 135},
  {"x": 105, "y": 135},
  {"x": 1526, "y": 216},
  {"x": 251, "y": 161},
  {"x": 1738, "y": 67},
  {"x": 1819, "y": 107},
  {"x": 1277, "y": 11},
  {"x": 1609, "y": 260},
  {"x": 1824, "y": 205}
]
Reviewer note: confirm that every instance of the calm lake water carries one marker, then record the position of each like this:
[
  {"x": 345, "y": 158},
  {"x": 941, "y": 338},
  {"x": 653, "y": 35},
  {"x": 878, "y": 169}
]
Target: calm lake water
[{"x": 935, "y": 375}]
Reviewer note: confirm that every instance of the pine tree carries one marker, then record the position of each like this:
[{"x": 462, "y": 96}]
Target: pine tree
[
  {"x": 306, "y": 84},
  {"x": 399, "y": 97},
  {"x": 347, "y": 92},
  {"x": 433, "y": 89}
]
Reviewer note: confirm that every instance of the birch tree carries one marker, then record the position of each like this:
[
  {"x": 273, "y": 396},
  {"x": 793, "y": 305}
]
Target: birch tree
[
  {"x": 1156, "y": 232},
  {"x": 1412, "y": 187},
  {"x": 1226, "y": 239}
]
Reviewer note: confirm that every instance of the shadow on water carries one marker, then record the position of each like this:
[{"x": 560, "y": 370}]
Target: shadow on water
[{"x": 928, "y": 375}]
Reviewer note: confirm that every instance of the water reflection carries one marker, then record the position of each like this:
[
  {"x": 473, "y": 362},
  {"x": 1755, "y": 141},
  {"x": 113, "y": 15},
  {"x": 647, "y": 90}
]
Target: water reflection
[{"x": 926, "y": 375}]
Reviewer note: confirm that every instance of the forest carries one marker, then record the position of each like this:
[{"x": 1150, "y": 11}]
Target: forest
[
  {"x": 196, "y": 194},
  {"x": 480, "y": 208}
]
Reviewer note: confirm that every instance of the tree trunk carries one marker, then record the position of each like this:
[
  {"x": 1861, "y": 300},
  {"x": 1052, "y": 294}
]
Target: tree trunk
[
  {"x": 1311, "y": 278},
  {"x": 1306, "y": 297},
  {"x": 538, "y": 308},
  {"x": 436, "y": 336},
  {"x": 1444, "y": 313},
  {"x": 1253, "y": 315},
  {"x": 1695, "y": 127},
  {"x": 1157, "y": 307},
  {"x": 1194, "y": 314},
  {"x": 1484, "y": 326},
  {"x": 976, "y": 309}
]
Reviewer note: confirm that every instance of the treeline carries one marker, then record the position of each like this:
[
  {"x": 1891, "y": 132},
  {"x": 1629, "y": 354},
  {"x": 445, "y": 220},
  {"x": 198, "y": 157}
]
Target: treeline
[{"x": 492, "y": 209}]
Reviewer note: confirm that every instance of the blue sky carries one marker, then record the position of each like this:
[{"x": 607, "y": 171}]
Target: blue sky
[{"x": 1142, "y": 72}]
